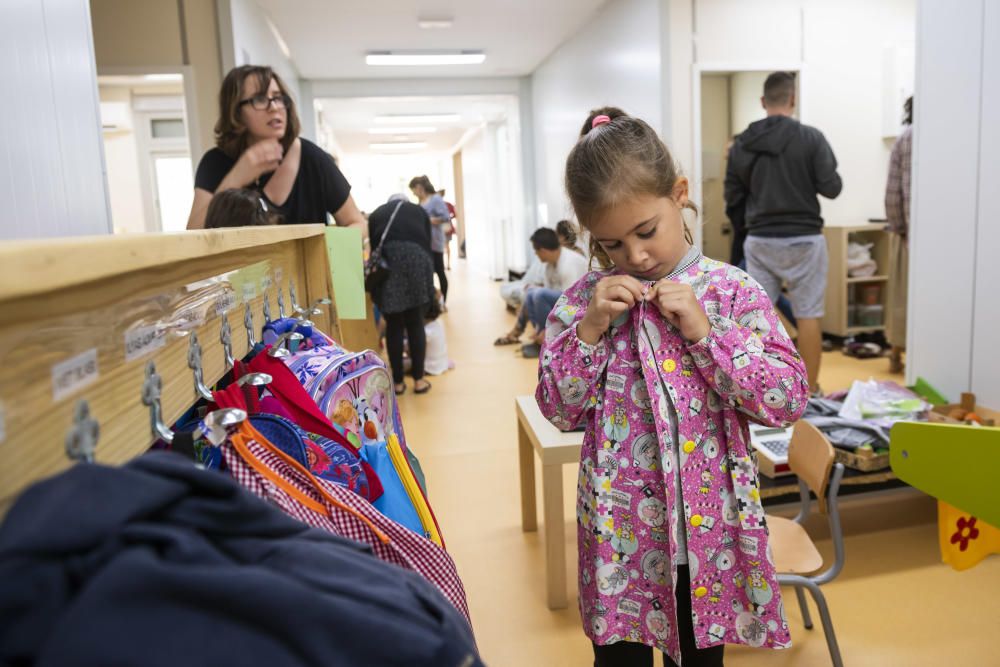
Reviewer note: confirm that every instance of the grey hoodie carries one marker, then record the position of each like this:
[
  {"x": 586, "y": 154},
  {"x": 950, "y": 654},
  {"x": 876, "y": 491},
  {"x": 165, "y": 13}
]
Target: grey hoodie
[{"x": 776, "y": 169}]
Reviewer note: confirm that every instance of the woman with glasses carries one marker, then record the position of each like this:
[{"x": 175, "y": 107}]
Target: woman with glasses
[{"x": 257, "y": 146}]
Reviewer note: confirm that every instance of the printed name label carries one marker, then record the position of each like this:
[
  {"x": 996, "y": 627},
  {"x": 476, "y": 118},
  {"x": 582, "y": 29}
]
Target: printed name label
[
  {"x": 225, "y": 303},
  {"x": 72, "y": 375},
  {"x": 142, "y": 341}
]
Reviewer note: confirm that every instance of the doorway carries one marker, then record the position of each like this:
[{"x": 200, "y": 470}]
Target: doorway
[
  {"x": 727, "y": 101},
  {"x": 147, "y": 147}
]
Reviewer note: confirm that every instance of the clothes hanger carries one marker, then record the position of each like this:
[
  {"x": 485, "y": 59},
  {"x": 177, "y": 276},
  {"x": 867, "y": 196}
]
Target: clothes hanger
[
  {"x": 214, "y": 427},
  {"x": 284, "y": 343},
  {"x": 226, "y": 338},
  {"x": 248, "y": 323},
  {"x": 194, "y": 363},
  {"x": 81, "y": 440}
]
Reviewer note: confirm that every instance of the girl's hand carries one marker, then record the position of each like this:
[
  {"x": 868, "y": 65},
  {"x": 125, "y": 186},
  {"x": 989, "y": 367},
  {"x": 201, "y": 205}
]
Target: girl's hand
[
  {"x": 612, "y": 297},
  {"x": 679, "y": 305}
]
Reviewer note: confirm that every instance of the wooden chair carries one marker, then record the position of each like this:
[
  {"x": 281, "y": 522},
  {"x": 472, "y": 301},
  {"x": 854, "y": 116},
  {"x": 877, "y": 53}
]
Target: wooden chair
[{"x": 810, "y": 456}]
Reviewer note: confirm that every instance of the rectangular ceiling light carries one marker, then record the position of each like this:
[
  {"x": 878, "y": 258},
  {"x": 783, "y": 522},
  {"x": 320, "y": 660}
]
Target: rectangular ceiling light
[
  {"x": 425, "y": 118},
  {"x": 418, "y": 58},
  {"x": 398, "y": 146},
  {"x": 434, "y": 24},
  {"x": 402, "y": 130}
]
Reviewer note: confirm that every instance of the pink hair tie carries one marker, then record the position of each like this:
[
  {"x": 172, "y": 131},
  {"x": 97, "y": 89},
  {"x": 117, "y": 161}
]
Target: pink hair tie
[{"x": 600, "y": 120}]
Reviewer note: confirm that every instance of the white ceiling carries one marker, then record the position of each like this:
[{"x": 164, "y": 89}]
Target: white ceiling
[
  {"x": 328, "y": 39},
  {"x": 349, "y": 119}
]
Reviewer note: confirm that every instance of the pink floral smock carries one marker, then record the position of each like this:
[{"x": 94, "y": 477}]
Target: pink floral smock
[{"x": 639, "y": 384}]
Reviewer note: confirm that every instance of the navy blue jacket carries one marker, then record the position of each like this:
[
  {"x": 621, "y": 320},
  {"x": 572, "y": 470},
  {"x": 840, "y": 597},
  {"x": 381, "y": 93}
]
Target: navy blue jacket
[{"x": 159, "y": 563}]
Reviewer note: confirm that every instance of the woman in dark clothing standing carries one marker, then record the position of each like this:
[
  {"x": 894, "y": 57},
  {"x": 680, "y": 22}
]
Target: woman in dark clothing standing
[
  {"x": 405, "y": 296},
  {"x": 437, "y": 209},
  {"x": 258, "y": 147}
]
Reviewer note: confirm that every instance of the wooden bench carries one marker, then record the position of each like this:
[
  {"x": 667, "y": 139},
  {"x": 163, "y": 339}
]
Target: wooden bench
[{"x": 554, "y": 449}]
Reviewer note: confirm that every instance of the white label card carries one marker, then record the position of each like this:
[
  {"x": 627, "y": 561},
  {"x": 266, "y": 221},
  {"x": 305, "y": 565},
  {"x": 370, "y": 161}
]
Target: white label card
[
  {"x": 249, "y": 291},
  {"x": 72, "y": 375},
  {"x": 142, "y": 341},
  {"x": 225, "y": 303}
]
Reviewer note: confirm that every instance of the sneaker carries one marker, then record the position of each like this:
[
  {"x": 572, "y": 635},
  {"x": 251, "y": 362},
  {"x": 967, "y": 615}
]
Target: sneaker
[{"x": 531, "y": 350}]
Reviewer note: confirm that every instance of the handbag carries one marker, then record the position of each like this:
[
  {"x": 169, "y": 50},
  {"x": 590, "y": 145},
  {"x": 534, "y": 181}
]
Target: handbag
[{"x": 377, "y": 267}]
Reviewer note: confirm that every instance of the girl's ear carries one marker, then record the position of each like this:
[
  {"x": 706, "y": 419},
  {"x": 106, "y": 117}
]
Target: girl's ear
[{"x": 680, "y": 191}]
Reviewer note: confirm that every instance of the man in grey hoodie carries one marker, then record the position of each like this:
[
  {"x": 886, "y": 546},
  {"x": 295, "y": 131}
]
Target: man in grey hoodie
[{"x": 776, "y": 169}]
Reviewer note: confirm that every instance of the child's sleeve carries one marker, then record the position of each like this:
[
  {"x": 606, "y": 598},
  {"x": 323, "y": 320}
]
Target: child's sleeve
[
  {"x": 750, "y": 361},
  {"x": 569, "y": 370}
]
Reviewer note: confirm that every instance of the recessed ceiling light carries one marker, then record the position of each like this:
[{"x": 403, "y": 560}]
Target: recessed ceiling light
[
  {"x": 435, "y": 23},
  {"x": 402, "y": 130},
  {"x": 398, "y": 145},
  {"x": 387, "y": 119},
  {"x": 416, "y": 58}
]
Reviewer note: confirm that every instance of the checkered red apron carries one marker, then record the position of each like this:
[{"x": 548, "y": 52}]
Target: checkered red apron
[{"x": 355, "y": 519}]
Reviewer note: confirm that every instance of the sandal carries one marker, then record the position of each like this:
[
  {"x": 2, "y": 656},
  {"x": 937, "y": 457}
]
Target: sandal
[
  {"x": 422, "y": 390},
  {"x": 400, "y": 392},
  {"x": 509, "y": 339}
]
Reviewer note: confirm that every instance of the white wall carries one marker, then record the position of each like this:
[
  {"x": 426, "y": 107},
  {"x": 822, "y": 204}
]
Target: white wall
[
  {"x": 840, "y": 49},
  {"x": 51, "y": 164},
  {"x": 476, "y": 185},
  {"x": 613, "y": 60},
  {"x": 374, "y": 177},
  {"x": 953, "y": 309},
  {"x": 248, "y": 38}
]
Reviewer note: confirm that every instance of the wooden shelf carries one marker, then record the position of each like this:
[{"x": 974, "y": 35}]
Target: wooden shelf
[
  {"x": 870, "y": 279},
  {"x": 856, "y": 330},
  {"x": 840, "y": 286}
]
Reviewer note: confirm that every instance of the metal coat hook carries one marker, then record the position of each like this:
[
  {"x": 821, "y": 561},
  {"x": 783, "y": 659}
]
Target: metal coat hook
[
  {"x": 304, "y": 313},
  {"x": 255, "y": 380},
  {"x": 291, "y": 292},
  {"x": 81, "y": 441},
  {"x": 279, "y": 349},
  {"x": 194, "y": 363},
  {"x": 267, "y": 308},
  {"x": 226, "y": 338},
  {"x": 151, "y": 389},
  {"x": 281, "y": 304},
  {"x": 216, "y": 424},
  {"x": 248, "y": 323}
]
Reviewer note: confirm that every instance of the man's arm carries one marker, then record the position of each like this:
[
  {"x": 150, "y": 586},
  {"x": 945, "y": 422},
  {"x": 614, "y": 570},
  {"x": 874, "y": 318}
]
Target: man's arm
[{"x": 828, "y": 181}]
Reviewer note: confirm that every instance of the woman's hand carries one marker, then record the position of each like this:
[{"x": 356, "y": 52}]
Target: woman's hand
[
  {"x": 679, "y": 305},
  {"x": 613, "y": 296},
  {"x": 263, "y": 157}
]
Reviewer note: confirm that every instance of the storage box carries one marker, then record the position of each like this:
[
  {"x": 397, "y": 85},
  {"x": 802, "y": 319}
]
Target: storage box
[
  {"x": 869, "y": 316},
  {"x": 865, "y": 460},
  {"x": 941, "y": 413}
]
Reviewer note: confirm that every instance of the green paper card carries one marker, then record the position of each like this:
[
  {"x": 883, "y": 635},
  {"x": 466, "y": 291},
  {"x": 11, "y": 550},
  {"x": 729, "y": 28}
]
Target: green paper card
[{"x": 343, "y": 247}]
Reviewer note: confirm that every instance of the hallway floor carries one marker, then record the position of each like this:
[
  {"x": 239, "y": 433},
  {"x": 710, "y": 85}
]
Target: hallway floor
[{"x": 894, "y": 603}]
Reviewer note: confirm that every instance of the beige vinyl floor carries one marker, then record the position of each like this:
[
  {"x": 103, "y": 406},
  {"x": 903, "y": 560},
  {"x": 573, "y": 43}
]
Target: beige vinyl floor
[{"x": 894, "y": 603}]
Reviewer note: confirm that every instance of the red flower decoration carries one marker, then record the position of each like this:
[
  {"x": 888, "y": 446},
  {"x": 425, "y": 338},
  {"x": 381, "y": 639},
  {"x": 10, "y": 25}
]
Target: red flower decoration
[{"x": 966, "y": 531}]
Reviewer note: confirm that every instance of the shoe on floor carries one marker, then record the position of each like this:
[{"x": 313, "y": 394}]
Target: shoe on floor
[
  {"x": 531, "y": 350},
  {"x": 422, "y": 390}
]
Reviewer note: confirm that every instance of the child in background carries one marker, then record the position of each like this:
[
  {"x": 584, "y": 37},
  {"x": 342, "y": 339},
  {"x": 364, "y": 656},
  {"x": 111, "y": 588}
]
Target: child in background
[
  {"x": 664, "y": 356},
  {"x": 238, "y": 208},
  {"x": 436, "y": 362}
]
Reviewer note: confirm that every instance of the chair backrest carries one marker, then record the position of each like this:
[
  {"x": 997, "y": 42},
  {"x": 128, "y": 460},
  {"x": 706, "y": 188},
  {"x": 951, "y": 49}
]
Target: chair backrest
[{"x": 810, "y": 456}]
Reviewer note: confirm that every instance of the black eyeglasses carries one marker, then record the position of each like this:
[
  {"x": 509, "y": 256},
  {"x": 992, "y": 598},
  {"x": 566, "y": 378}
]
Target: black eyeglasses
[{"x": 261, "y": 102}]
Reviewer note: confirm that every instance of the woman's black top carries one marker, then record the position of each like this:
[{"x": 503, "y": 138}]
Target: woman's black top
[{"x": 319, "y": 186}]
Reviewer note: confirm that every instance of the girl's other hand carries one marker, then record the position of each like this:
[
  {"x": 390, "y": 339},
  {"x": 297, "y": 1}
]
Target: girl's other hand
[
  {"x": 679, "y": 305},
  {"x": 613, "y": 296}
]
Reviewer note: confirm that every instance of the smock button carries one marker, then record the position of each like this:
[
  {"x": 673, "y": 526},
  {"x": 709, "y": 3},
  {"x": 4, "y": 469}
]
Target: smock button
[
  {"x": 700, "y": 592},
  {"x": 696, "y": 520},
  {"x": 669, "y": 365},
  {"x": 689, "y": 446}
]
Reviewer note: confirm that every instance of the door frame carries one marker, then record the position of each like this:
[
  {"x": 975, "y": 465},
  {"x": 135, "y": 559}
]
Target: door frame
[{"x": 696, "y": 191}]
